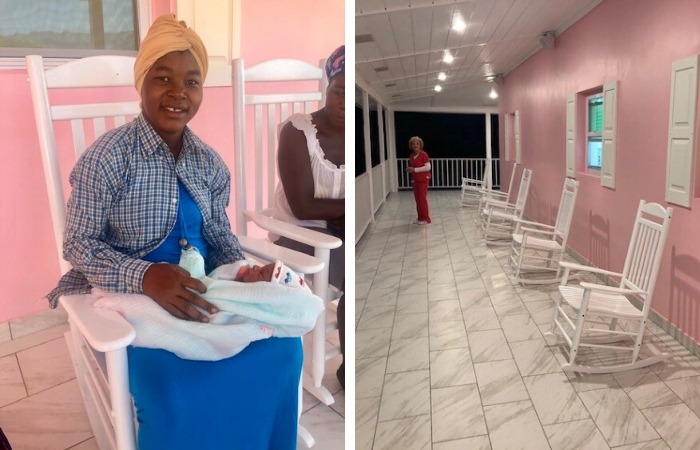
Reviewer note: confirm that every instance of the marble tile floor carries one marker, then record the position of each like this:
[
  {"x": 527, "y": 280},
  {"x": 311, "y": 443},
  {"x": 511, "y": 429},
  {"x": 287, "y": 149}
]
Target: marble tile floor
[
  {"x": 451, "y": 355},
  {"x": 40, "y": 403}
]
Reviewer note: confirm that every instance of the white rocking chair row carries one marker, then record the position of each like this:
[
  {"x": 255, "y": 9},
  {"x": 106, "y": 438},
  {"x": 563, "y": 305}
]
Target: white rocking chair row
[
  {"x": 497, "y": 217},
  {"x": 601, "y": 317},
  {"x": 537, "y": 248},
  {"x": 98, "y": 338},
  {"x": 597, "y": 316}
]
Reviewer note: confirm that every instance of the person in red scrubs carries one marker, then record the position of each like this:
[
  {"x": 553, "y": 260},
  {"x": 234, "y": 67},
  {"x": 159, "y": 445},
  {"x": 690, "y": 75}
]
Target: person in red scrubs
[{"x": 419, "y": 168}]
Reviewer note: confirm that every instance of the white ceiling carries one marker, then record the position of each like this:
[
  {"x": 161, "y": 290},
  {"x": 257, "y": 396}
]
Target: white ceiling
[{"x": 408, "y": 37}]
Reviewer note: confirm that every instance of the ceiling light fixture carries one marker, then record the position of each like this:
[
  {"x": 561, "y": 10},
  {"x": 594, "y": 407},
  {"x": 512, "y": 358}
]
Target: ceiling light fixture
[
  {"x": 495, "y": 78},
  {"x": 458, "y": 24},
  {"x": 438, "y": 88},
  {"x": 447, "y": 57},
  {"x": 493, "y": 94},
  {"x": 442, "y": 76}
]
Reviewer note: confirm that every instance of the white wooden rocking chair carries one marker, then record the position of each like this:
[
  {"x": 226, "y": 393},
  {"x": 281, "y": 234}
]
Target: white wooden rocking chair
[
  {"x": 496, "y": 217},
  {"x": 286, "y": 91},
  {"x": 98, "y": 338},
  {"x": 472, "y": 188},
  {"x": 538, "y": 248},
  {"x": 604, "y": 315}
]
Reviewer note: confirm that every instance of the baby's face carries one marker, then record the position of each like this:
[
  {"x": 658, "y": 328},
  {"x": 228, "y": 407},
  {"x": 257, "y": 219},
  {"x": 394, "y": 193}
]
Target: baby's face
[{"x": 257, "y": 273}]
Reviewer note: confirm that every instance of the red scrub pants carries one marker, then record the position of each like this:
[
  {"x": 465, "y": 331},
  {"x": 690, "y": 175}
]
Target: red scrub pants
[{"x": 420, "y": 192}]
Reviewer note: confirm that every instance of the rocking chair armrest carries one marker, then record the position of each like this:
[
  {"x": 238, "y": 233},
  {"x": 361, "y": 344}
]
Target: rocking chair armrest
[
  {"x": 581, "y": 267},
  {"x": 266, "y": 250},
  {"x": 105, "y": 330},
  {"x": 533, "y": 224},
  {"x": 497, "y": 203},
  {"x": 289, "y": 230},
  {"x": 501, "y": 194},
  {"x": 529, "y": 230},
  {"x": 467, "y": 181},
  {"x": 604, "y": 288}
]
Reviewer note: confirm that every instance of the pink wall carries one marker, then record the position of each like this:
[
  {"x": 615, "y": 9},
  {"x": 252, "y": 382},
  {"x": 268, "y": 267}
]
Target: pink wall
[
  {"x": 310, "y": 31},
  {"x": 634, "y": 42}
]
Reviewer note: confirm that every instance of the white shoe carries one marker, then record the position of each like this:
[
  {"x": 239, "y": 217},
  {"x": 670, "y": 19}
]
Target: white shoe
[{"x": 419, "y": 222}]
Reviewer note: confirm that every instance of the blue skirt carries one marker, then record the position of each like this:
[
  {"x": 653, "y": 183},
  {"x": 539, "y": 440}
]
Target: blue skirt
[{"x": 248, "y": 401}]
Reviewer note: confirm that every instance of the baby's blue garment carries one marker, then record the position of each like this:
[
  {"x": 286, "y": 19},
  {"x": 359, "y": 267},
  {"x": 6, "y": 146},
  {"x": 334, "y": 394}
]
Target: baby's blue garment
[{"x": 248, "y": 401}]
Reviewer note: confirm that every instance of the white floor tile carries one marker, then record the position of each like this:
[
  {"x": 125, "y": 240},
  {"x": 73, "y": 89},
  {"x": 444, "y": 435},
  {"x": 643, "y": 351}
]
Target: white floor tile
[{"x": 491, "y": 378}]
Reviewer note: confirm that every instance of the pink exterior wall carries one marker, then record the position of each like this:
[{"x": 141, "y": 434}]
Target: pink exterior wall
[
  {"x": 634, "y": 42},
  {"x": 270, "y": 29}
]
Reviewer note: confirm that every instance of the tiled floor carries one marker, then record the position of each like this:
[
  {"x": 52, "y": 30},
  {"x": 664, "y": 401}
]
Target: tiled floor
[
  {"x": 451, "y": 355},
  {"x": 40, "y": 403}
]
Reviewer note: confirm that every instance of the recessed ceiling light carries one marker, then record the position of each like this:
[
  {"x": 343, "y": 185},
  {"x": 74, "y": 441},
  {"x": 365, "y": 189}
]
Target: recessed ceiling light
[
  {"x": 438, "y": 88},
  {"x": 447, "y": 57},
  {"x": 458, "y": 23},
  {"x": 493, "y": 94},
  {"x": 442, "y": 76}
]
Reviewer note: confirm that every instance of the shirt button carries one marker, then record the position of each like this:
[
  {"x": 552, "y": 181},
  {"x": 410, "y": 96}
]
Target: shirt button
[{"x": 174, "y": 200}]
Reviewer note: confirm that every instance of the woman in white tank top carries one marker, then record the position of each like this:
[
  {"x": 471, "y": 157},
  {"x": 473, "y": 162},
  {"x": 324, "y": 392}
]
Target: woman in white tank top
[{"x": 311, "y": 192}]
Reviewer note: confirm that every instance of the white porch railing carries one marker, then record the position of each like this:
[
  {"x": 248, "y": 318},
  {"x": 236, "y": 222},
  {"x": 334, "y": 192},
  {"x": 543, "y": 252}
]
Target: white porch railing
[{"x": 447, "y": 173}]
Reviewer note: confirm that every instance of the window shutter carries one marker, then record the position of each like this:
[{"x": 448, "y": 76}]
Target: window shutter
[
  {"x": 571, "y": 136},
  {"x": 681, "y": 128},
  {"x": 516, "y": 126},
  {"x": 607, "y": 165}
]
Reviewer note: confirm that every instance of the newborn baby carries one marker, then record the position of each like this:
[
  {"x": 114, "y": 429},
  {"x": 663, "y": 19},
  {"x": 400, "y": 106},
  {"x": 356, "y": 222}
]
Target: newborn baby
[
  {"x": 242, "y": 271},
  {"x": 275, "y": 272},
  {"x": 248, "y": 274}
]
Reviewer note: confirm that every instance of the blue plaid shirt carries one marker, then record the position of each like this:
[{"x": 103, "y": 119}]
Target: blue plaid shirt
[{"x": 124, "y": 203}]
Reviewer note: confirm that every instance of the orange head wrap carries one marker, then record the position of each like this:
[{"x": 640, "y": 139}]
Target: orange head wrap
[{"x": 168, "y": 35}]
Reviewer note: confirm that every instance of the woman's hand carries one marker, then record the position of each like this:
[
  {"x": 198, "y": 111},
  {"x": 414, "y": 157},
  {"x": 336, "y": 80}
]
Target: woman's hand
[
  {"x": 167, "y": 285},
  {"x": 410, "y": 169}
]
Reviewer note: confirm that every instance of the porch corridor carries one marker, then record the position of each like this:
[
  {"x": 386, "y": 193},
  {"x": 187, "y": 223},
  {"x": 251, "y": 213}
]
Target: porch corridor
[{"x": 451, "y": 355}]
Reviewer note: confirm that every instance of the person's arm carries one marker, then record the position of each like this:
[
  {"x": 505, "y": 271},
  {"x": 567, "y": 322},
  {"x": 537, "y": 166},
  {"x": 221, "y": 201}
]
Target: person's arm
[
  {"x": 84, "y": 244},
  {"x": 298, "y": 182},
  {"x": 94, "y": 189},
  {"x": 423, "y": 168}
]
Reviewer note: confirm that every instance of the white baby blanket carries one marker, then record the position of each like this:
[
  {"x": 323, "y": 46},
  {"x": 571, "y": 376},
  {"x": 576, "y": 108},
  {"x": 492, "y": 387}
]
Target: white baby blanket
[{"x": 247, "y": 312}]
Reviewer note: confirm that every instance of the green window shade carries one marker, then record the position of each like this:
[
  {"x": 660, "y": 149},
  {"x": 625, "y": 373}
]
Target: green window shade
[{"x": 595, "y": 115}]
